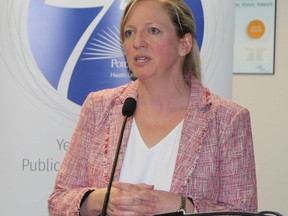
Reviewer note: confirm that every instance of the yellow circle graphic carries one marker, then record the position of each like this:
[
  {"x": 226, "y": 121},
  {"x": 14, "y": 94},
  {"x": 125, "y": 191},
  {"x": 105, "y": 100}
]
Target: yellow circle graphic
[{"x": 256, "y": 29}]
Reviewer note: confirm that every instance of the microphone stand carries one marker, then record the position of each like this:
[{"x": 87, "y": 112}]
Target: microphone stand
[{"x": 107, "y": 195}]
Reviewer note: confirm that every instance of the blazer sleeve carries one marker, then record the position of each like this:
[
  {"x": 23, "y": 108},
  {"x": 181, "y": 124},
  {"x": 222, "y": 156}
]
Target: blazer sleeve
[
  {"x": 237, "y": 176},
  {"x": 71, "y": 179}
]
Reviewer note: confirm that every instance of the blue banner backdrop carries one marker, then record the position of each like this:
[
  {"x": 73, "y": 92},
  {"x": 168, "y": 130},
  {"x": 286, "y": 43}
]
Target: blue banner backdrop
[{"x": 78, "y": 48}]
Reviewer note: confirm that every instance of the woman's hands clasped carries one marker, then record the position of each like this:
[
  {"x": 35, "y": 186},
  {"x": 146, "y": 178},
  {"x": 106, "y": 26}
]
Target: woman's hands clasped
[
  {"x": 131, "y": 200},
  {"x": 140, "y": 199}
]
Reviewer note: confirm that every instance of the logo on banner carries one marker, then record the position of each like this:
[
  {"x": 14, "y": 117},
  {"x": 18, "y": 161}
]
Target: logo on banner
[{"x": 76, "y": 44}]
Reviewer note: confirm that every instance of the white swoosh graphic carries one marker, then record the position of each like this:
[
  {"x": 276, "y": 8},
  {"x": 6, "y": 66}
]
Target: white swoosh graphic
[{"x": 66, "y": 75}]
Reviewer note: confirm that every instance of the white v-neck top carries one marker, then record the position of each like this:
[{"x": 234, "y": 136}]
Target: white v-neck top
[{"x": 153, "y": 166}]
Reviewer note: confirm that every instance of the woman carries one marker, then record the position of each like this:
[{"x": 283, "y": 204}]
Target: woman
[{"x": 184, "y": 148}]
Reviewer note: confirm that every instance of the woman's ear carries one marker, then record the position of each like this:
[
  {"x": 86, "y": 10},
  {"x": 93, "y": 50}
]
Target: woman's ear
[{"x": 185, "y": 44}]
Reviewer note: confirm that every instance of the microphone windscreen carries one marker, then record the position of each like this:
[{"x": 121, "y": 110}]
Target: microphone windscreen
[{"x": 129, "y": 107}]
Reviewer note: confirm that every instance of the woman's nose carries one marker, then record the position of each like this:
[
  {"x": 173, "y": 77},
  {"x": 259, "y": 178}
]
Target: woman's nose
[{"x": 140, "y": 41}]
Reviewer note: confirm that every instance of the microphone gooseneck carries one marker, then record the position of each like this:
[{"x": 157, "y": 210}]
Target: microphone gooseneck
[{"x": 128, "y": 110}]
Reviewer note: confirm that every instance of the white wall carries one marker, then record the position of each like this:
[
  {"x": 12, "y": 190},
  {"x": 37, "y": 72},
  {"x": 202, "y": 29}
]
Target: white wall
[{"x": 266, "y": 96}]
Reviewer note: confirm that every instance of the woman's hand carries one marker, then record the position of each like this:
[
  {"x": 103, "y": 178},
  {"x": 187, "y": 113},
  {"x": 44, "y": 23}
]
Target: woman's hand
[
  {"x": 133, "y": 200},
  {"x": 140, "y": 199},
  {"x": 124, "y": 199}
]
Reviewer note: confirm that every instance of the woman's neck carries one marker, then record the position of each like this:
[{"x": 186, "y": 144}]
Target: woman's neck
[{"x": 167, "y": 95}]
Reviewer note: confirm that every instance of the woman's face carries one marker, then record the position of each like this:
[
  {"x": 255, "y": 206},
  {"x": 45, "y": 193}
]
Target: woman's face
[{"x": 151, "y": 45}]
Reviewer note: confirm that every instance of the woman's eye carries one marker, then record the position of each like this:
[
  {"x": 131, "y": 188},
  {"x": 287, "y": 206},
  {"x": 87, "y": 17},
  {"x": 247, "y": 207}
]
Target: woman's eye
[
  {"x": 154, "y": 30},
  {"x": 128, "y": 33}
]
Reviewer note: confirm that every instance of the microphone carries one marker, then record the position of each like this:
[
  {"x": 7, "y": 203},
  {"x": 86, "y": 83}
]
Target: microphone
[
  {"x": 129, "y": 107},
  {"x": 127, "y": 110}
]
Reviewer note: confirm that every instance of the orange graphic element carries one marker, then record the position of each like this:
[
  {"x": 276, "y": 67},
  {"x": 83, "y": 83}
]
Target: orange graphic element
[{"x": 256, "y": 29}]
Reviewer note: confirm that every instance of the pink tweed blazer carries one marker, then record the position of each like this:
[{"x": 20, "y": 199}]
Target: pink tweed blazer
[{"x": 215, "y": 163}]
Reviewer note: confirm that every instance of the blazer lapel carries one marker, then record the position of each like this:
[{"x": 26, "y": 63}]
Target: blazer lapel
[{"x": 193, "y": 133}]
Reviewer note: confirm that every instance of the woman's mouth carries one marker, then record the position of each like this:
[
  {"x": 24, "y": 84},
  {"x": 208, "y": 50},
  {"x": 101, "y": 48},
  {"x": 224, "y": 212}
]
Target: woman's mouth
[{"x": 141, "y": 59}]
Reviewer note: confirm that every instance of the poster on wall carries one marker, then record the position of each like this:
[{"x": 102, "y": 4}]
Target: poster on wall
[
  {"x": 254, "y": 46},
  {"x": 52, "y": 54}
]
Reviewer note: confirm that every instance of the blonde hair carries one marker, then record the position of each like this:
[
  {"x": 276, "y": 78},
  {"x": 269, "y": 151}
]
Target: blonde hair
[{"x": 184, "y": 22}]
